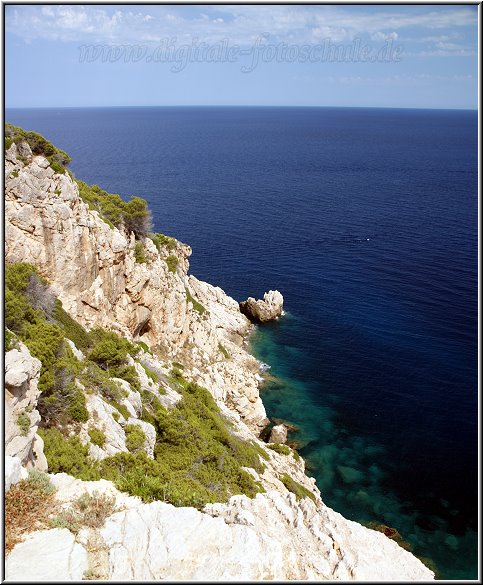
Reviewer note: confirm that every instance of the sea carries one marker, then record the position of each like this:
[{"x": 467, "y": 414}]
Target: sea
[{"x": 367, "y": 221}]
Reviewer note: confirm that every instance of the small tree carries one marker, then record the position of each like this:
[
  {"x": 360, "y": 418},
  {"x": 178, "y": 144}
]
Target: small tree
[{"x": 137, "y": 217}]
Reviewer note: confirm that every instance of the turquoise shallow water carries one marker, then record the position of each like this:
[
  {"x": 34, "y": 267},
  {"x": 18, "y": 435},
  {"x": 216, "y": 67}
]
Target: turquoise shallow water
[{"x": 352, "y": 470}]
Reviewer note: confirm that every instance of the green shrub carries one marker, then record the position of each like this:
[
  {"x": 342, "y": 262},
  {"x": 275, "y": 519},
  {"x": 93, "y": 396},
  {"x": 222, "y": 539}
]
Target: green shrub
[
  {"x": 15, "y": 173},
  {"x": 96, "y": 380},
  {"x": 23, "y": 422},
  {"x": 8, "y": 340},
  {"x": 121, "y": 408},
  {"x": 72, "y": 329},
  {"x": 172, "y": 263},
  {"x": 17, "y": 276},
  {"x": 77, "y": 405},
  {"x": 97, "y": 437},
  {"x": 110, "y": 353},
  {"x": 135, "y": 438},
  {"x": 18, "y": 312},
  {"x": 115, "y": 416},
  {"x": 134, "y": 215},
  {"x": 282, "y": 449},
  {"x": 197, "y": 306},
  {"x": 296, "y": 488},
  {"x": 137, "y": 217},
  {"x": 224, "y": 351},
  {"x": 139, "y": 253},
  {"x": 150, "y": 374},
  {"x": 46, "y": 343},
  {"x": 38, "y": 145},
  {"x": 68, "y": 455},
  {"x": 160, "y": 240},
  {"x": 41, "y": 481},
  {"x": 145, "y": 347}
]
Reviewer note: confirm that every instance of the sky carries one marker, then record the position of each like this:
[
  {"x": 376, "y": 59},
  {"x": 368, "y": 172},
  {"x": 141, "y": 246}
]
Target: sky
[{"x": 399, "y": 56}]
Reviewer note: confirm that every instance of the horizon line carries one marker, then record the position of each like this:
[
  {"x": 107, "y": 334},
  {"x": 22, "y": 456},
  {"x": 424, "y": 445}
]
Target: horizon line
[{"x": 475, "y": 109}]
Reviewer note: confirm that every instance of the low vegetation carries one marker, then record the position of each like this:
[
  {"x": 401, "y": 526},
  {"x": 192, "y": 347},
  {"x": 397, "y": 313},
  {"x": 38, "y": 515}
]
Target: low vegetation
[
  {"x": 131, "y": 216},
  {"x": 89, "y": 510},
  {"x": 197, "y": 306},
  {"x": 282, "y": 449},
  {"x": 162, "y": 241},
  {"x": 172, "y": 263},
  {"x": 224, "y": 351},
  {"x": 97, "y": 437},
  {"x": 27, "y": 507},
  {"x": 57, "y": 158},
  {"x": 296, "y": 488},
  {"x": 139, "y": 254},
  {"x": 36, "y": 317}
]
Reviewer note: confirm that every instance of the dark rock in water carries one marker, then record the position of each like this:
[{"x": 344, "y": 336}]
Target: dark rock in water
[{"x": 262, "y": 310}]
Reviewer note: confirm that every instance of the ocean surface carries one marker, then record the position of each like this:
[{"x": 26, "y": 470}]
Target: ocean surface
[{"x": 366, "y": 221}]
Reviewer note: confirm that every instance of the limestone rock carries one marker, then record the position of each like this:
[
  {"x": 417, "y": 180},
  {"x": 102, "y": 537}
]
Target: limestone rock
[
  {"x": 261, "y": 311},
  {"x": 278, "y": 434},
  {"x": 13, "y": 471},
  {"x": 21, "y": 416},
  {"x": 47, "y": 555},
  {"x": 94, "y": 273},
  {"x": 101, "y": 417}
]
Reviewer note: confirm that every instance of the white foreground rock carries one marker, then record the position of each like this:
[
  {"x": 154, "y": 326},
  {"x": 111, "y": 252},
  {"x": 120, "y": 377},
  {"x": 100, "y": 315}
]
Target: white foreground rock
[{"x": 47, "y": 555}]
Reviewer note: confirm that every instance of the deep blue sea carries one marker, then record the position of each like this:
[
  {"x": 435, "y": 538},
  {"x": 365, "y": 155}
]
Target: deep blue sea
[{"x": 366, "y": 221}]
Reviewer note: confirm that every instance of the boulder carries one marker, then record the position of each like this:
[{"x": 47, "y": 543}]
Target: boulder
[
  {"x": 21, "y": 416},
  {"x": 262, "y": 310},
  {"x": 278, "y": 434},
  {"x": 47, "y": 555},
  {"x": 13, "y": 471}
]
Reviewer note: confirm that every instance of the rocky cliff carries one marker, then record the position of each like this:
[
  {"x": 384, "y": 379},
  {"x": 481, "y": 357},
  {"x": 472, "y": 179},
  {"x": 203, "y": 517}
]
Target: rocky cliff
[{"x": 284, "y": 532}]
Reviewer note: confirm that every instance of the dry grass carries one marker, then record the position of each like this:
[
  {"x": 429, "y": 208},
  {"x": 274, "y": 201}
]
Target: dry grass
[
  {"x": 27, "y": 507},
  {"x": 87, "y": 511}
]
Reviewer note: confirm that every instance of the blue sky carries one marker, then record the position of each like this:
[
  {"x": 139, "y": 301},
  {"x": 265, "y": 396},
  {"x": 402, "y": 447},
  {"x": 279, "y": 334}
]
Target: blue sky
[{"x": 369, "y": 56}]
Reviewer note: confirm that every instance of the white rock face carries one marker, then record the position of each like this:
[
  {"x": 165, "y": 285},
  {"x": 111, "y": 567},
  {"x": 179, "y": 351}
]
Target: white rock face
[
  {"x": 101, "y": 417},
  {"x": 47, "y": 555},
  {"x": 272, "y": 536},
  {"x": 261, "y": 311},
  {"x": 13, "y": 471},
  {"x": 94, "y": 273},
  {"x": 21, "y": 416}
]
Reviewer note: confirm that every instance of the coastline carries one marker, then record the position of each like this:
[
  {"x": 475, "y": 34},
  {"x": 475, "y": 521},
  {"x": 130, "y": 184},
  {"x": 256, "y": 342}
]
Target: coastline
[{"x": 191, "y": 319}]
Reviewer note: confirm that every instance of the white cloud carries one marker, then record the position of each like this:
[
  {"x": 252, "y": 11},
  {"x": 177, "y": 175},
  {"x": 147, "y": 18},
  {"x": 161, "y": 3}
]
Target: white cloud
[
  {"x": 380, "y": 36},
  {"x": 241, "y": 24}
]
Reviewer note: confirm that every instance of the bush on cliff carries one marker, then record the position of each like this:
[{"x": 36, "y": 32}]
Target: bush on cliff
[
  {"x": 133, "y": 216},
  {"x": 57, "y": 158}
]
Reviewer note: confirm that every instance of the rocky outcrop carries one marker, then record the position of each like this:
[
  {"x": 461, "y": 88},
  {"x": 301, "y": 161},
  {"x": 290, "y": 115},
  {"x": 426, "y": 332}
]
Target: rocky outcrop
[
  {"x": 278, "y": 434},
  {"x": 267, "y": 309},
  {"x": 92, "y": 269},
  {"x": 14, "y": 472},
  {"x": 273, "y": 536},
  {"x": 47, "y": 555},
  {"x": 21, "y": 415}
]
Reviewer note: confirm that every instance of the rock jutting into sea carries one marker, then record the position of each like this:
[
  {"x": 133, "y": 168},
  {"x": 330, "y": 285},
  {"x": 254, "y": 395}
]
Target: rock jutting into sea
[{"x": 262, "y": 310}]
